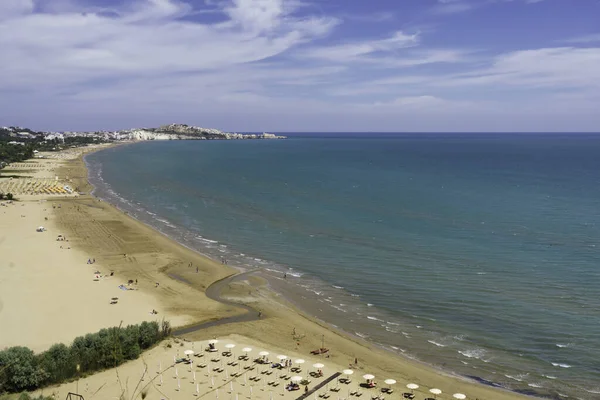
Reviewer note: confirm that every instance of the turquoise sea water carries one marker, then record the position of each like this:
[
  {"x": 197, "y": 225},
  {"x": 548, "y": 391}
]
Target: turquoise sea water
[{"x": 478, "y": 254}]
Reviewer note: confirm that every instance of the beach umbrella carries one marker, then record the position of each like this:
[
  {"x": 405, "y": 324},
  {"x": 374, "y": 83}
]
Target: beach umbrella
[
  {"x": 189, "y": 352},
  {"x": 350, "y": 372},
  {"x": 435, "y": 392},
  {"x": 368, "y": 377},
  {"x": 231, "y": 386},
  {"x": 229, "y": 346},
  {"x": 318, "y": 365},
  {"x": 459, "y": 396},
  {"x": 161, "y": 381},
  {"x": 212, "y": 381},
  {"x": 281, "y": 357},
  {"x": 213, "y": 341},
  {"x": 197, "y": 388},
  {"x": 263, "y": 353},
  {"x": 270, "y": 395},
  {"x": 412, "y": 386},
  {"x": 390, "y": 382},
  {"x": 217, "y": 393},
  {"x": 297, "y": 378},
  {"x": 299, "y": 361},
  {"x": 176, "y": 372},
  {"x": 194, "y": 376},
  {"x": 247, "y": 350},
  {"x": 178, "y": 384}
]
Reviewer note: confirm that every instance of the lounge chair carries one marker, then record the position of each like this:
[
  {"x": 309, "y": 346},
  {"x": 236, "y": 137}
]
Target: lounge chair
[
  {"x": 276, "y": 384},
  {"x": 352, "y": 393},
  {"x": 358, "y": 393},
  {"x": 202, "y": 365},
  {"x": 347, "y": 381}
]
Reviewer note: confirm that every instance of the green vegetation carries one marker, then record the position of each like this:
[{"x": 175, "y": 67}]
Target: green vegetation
[{"x": 21, "y": 369}]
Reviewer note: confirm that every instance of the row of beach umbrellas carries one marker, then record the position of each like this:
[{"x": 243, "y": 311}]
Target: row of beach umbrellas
[{"x": 348, "y": 372}]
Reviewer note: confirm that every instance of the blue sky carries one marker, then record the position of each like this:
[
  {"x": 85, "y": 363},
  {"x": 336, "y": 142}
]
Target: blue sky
[{"x": 302, "y": 65}]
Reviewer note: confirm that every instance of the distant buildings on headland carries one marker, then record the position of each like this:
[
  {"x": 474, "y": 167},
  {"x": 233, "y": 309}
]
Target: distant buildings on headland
[{"x": 165, "y": 132}]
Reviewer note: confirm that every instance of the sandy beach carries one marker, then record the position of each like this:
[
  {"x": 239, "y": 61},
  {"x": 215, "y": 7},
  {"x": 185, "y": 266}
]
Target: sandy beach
[{"x": 49, "y": 293}]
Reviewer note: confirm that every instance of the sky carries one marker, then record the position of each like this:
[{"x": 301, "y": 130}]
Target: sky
[{"x": 302, "y": 65}]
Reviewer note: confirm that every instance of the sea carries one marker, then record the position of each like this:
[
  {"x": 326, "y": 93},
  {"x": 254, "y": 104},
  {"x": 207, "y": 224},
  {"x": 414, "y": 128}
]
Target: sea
[{"x": 478, "y": 254}]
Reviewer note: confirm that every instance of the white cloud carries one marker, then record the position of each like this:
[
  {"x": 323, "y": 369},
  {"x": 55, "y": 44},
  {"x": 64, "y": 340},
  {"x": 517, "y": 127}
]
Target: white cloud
[
  {"x": 71, "y": 47},
  {"x": 359, "y": 50},
  {"x": 561, "y": 67},
  {"x": 594, "y": 37}
]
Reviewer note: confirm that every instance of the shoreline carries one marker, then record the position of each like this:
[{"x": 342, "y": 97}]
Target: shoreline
[{"x": 334, "y": 329}]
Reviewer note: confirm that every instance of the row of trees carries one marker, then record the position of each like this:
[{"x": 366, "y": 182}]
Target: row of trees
[{"x": 21, "y": 369}]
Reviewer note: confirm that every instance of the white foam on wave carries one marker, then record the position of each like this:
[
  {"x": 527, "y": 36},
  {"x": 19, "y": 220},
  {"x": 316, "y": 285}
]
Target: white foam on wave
[
  {"x": 436, "y": 343},
  {"x": 593, "y": 391},
  {"x": 518, "y": 378},
  {"x": 549, "y": 376},
  {"x": 535, "y": 385},
  {"x": 374, "y": 318},
  {"x": 561, "y": 365},
  {"x": 369, "y": 305},
  {"x": 563, "y": 345},
  {"x": 460, "y": 338},
  {"x": 295, "y": 274},
  {"x": 337, "y": 287},
  {"x": 392, "y": 323},
  {"x": 362, "y": 335},
  {"x": 339, "y": 308},
  {"x": 473, "y": 353},
  {"x": 202, "y": 239}
]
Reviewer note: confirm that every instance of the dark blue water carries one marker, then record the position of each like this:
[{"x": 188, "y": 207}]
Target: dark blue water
[{"x": 475, "y": 253}]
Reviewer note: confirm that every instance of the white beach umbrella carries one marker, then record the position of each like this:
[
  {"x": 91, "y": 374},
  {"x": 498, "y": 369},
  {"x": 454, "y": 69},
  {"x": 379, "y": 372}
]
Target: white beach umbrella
[
  {"x": 213, "y": 341},
  {"x": 412, "y": 386},
  {"x": 229, "y": 346},
  {"x": 247, "y": 349},
  {"x": 369, "y": 377},
  {"x": 197, "y": 388},
  {"x": 390, "y": 381},
  {"x": 459, "y": 396},
  {"x": 263, "y": 353},
  {"x": 348, "y": 372},
  {"x": 189, "y": 352},
  {"x": 299, "y": 361},
  {"x": 318, "y": 365},
  {"x": 282, "y": 357},
  {"x": 297, "y": 378},
  {"x": 435, "y": 391}
]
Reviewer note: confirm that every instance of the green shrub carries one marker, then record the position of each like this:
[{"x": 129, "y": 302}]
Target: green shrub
[{"x": 21, "y": 369}]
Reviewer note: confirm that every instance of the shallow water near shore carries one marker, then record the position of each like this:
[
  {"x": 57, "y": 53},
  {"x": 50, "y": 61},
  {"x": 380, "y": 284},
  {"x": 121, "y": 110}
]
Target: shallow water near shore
[{"x": 477, "y": 254}]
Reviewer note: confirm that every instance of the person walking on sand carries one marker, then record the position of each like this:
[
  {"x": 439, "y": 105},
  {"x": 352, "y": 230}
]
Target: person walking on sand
[
  {"x": 196, "y": 269},
  {"x": 259, "y": 314}
]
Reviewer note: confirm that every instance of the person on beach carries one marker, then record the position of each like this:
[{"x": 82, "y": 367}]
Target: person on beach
[
  {"x": 284, "y": 276},
  {"x": 259, "y": 314},
  {"x": 196, "y": 269}
]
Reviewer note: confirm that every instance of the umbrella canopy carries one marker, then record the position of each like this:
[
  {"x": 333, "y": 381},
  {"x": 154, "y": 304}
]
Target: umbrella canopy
[
  {"x": 299, "y": 361},
  {"x": 369, "y": 377},
  {"x": 281, "y": 357},
  {"x": 188, "y": 352},
  {"x": 213, "y": 341},
  {"x": 230, "y": 346},
  {"x": 297, "y": 378},
  {"x": 247, "y": 349},
  {"x": 435, "y": 391},
  {"x": 348, "y": 372},
  {"x": 412, "y": 386},
  {"x": 263, "y": 353},
  {"x": 459, "y": 396},
  {"x": 390, "y": 382},
  {"x": 318, "y": 365}
]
